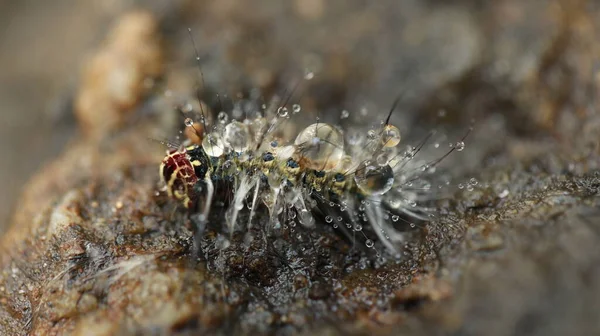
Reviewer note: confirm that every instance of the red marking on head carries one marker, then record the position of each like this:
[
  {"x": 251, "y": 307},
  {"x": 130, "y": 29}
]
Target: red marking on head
[{"x": 179, "y": 176}]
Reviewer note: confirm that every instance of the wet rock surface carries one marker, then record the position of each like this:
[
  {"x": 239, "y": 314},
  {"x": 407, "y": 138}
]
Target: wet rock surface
[{"x": 96, "y": 248}]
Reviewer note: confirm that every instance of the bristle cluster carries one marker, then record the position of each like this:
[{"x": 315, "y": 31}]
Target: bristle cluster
[{"x": 353, "y": 180}]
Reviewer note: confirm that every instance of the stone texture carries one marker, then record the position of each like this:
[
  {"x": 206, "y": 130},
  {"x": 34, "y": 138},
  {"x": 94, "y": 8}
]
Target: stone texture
[{"x": 94, "y": 247}]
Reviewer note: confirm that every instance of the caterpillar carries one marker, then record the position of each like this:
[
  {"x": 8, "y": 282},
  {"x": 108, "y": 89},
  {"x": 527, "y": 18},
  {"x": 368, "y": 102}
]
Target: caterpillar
[{"x": 350, "y": 180}]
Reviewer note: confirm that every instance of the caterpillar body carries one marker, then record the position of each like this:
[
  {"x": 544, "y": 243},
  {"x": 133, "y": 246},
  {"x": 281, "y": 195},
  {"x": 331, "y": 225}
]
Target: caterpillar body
[{"x": 352, "y": 181}]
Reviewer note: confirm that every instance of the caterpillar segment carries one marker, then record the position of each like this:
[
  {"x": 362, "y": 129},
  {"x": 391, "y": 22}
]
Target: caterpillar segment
[{"x": 362, "y": 181}]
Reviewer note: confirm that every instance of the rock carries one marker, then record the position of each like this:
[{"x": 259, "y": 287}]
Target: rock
[
  {"x": 96, "y": 246},
  {"x": 119, "y": 74}
]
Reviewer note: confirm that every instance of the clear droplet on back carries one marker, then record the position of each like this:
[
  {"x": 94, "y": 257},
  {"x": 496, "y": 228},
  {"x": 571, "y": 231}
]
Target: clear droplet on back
[
  {"x": 320, "y": 146},
  {"x": 237, "y": 136},
  {"x": 213, "y": 145},
  {"x": 285, "y": 152},
  {"x": 257, "y": 129}
]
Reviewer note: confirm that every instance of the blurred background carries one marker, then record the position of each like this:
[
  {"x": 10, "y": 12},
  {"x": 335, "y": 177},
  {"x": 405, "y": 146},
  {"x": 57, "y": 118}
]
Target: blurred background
[{"x": 41, "y": 48}]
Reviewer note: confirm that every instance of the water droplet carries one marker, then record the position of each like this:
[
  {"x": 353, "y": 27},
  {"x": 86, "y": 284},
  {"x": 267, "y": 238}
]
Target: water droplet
[
  {"x": 282, "y": 112},
  {"x": 369, "y": 243},
  {"x": 358, "y": 227},
  {"x": 296, "y": 108},
  {"x": 309, "y": 75},
  {"x": 237, "y": 136},
  {"x": 473, "y": 181},
  {"x": 374, "y": 180},
  {"x": 460, "y": 146},
  {"x": 391, "y": 136},
  {"x": 188, "y": 122},
  {"x": 461, "y": 186},
  {"x": 321, "y": 146},
  {"x": 213, "y": 145},
  {"x": 285, "y": 152},
  {"x": 222, "y": 117},
  {"x": 345, "y": 114},
  {"x": 187, "y": 108},
  {"x": 395, "y": 218},
  {"x": 328, "y": 219}
]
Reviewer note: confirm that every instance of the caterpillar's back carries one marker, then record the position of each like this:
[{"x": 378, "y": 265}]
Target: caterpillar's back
[{"x": 362, "y": 184}]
